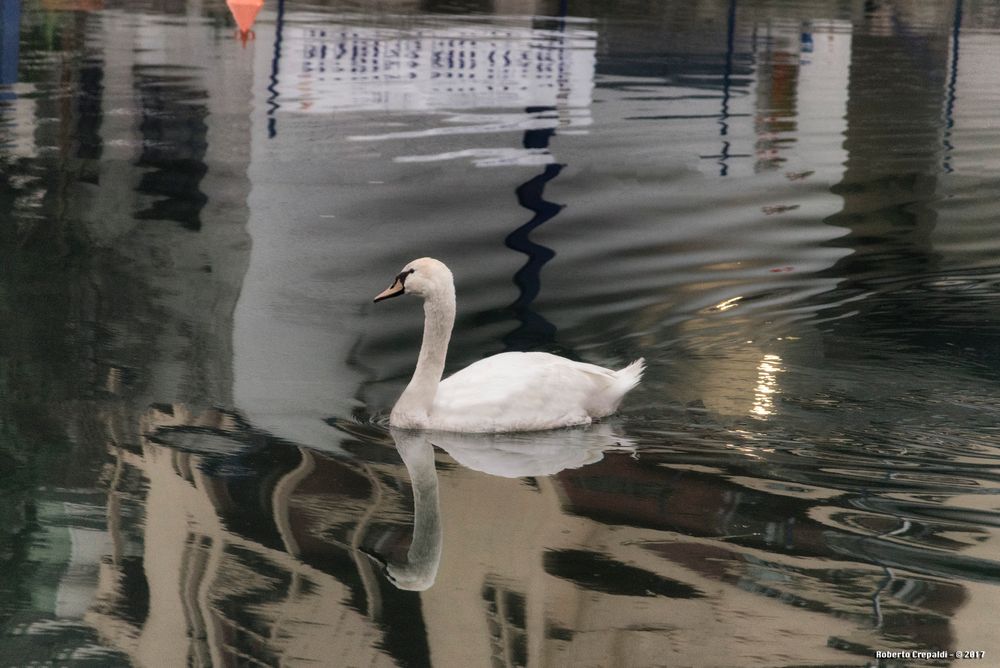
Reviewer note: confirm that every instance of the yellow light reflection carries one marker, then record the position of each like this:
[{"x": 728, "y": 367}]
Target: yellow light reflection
[
  {"x": 767, "y": 386},
  {"x": 728, "y": 304}
]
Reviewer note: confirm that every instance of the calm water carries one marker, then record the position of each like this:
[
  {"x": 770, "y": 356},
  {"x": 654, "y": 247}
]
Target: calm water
[{"x": 789, "y": 209}]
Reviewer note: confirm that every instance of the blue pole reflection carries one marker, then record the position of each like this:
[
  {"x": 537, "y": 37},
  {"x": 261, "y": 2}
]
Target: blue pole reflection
[
  {"x": 949, "y": 108},
  {"x": 534, "y": 330},
  {"x": 10, "y": 34},
  {"x": 727, "y": 81},
  {"x": 272, "y": 100}
]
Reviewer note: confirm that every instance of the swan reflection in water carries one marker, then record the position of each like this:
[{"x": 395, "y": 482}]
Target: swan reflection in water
[
  {"x": 514, "y": 455},
  {"x": 420, "y": 568}
]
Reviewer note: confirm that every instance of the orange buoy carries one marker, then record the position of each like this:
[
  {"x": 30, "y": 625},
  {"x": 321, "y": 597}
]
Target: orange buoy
[{"x": 245, "y": 13}]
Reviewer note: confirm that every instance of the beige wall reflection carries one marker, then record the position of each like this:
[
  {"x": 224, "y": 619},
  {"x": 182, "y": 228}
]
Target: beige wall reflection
[
  {"x": 229, "y": 582},
  {"x": 259, "y": 557}
]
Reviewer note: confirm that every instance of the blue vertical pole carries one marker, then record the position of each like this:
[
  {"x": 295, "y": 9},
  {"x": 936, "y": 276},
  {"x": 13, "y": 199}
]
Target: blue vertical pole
[{"x": 10, "y": 37}]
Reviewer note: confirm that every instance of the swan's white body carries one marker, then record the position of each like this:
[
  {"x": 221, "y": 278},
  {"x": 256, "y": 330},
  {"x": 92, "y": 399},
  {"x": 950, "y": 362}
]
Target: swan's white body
[
  {"x": 523, "y": 392},
  {"x": 503, "y": 393}
]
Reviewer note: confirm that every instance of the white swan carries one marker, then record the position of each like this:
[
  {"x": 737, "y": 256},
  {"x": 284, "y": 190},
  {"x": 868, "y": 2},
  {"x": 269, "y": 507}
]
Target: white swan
[{"x": 503, "y": 393}]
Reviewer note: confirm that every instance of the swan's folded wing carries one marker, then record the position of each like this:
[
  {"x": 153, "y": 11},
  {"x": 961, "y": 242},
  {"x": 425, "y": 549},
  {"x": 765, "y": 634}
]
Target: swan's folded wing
[{"x": 522, "y": 390}]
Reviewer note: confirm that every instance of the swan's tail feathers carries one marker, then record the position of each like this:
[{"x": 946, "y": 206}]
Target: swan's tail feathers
[
  {"x": 608, "y": 399},
  {"x": 629, "y": 377}
]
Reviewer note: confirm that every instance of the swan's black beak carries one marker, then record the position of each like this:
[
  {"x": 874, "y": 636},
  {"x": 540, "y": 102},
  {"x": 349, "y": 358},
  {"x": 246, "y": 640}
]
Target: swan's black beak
[
  {"x": 393, "y": 290},
  {"x": 397, "y": 288}
]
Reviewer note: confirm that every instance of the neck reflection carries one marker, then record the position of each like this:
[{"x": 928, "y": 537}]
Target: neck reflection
[{"x": 419, "y": 570}]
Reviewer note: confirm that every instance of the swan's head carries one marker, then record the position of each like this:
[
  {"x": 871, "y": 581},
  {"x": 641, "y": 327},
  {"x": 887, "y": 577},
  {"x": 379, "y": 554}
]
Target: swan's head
[{"x": 425, "y": 278}]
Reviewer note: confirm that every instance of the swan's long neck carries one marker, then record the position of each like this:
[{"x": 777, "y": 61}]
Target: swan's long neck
[{"x": 439, "y": 318}]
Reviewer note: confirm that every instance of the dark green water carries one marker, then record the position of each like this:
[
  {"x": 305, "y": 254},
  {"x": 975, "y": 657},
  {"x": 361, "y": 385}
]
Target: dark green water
[{"x": 789, "y": 209}]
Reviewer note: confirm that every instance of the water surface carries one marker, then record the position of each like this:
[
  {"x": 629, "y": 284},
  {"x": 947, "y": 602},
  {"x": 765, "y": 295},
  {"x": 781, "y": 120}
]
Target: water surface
[{"x": 787, "y": 208}]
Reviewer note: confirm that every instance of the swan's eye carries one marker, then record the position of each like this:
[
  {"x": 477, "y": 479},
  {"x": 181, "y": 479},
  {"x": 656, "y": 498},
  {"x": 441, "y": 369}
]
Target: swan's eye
[{"x": 401, "y": 276}]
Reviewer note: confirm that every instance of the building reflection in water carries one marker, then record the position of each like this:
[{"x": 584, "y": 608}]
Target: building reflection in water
[
  {"x": 258, "y": 551},
  {"x": 255, "y": 550},
  {"x": 251, "y": 556},
  {"x": 105, "y": 309},
  {"x": 223, "y": 543}
]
